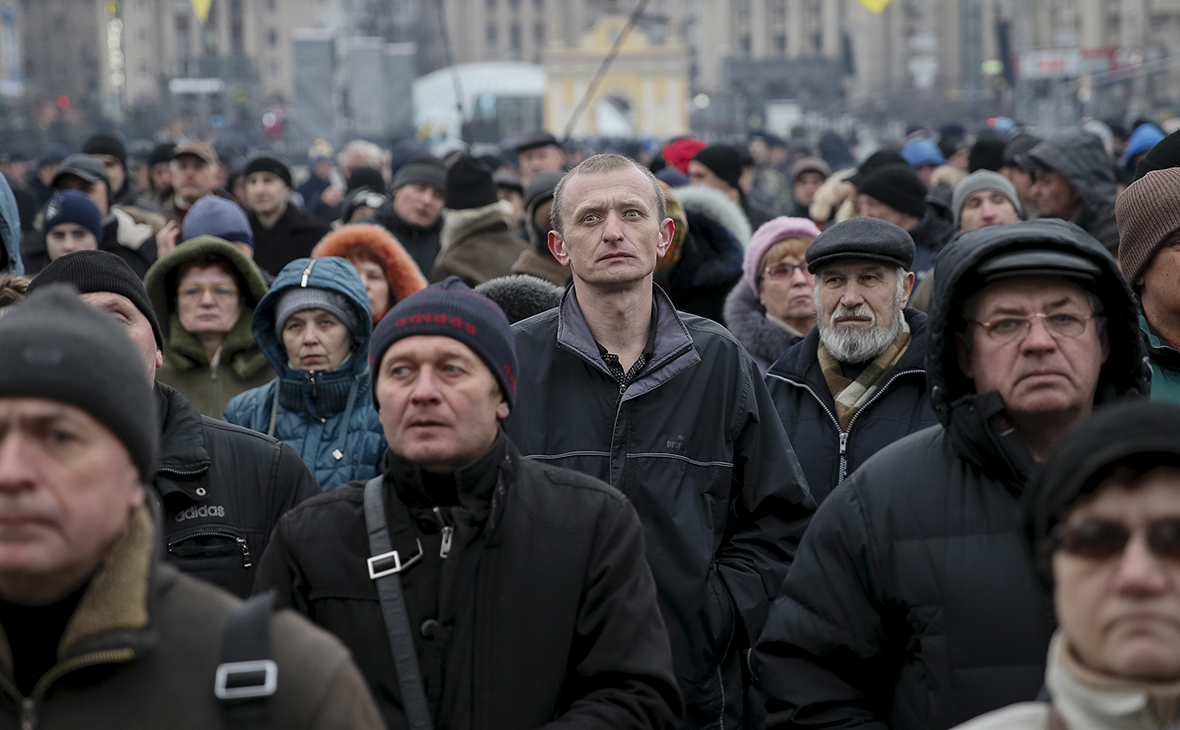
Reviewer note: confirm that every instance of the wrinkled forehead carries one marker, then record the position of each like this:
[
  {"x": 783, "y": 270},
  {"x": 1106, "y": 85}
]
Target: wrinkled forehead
[
  {"x": 1141, "y": 488},
  {"x": 431, "y": 349},
  {"x": 113, "y": 302},
  {"x": 587, "y": 191},
  {"x": 1029, "y": 294}
]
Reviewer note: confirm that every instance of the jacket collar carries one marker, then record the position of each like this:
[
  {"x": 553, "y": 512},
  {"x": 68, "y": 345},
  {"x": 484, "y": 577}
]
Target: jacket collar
[
  {"x": 238, "y": 350},
  {"x": 1087, "y": 699},
  {"x": 746, "y": 319},
  {"x": 1160, "y": 350},
  {"x": 470, "y": 486},
  {"x": 800, "y": 363},
  {"x": 114, "y": 611},
  {"x": 320, "y": 393},
  {"x": 182, "y": 442},
  {"x": 673, "y": 350}
]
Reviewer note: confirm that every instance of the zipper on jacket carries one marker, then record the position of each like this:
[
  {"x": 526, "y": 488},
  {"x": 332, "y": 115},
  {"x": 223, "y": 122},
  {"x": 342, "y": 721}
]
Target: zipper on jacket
[
  {"x": 843, "y": 454},
  {"x": 28, "y": 711},
  {"x": 247, "y": 561},
  {"x": 307, "y": 273},
  {"x": 448, "y": 534},
  {"x": 213, "y": 372}
]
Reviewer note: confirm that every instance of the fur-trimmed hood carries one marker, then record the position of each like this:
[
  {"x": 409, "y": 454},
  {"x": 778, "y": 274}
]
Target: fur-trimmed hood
[
  {"x": 461, "y": 223},
  {"x": 400, "y": 270},
  {"x": 746, "y": 318},
  {"x": 714, "y": 203},
  {"x": 521, "y": 295}
]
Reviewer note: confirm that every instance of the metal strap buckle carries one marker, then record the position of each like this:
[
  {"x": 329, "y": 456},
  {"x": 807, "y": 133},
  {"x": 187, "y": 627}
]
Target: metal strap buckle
[
  {"x": 244, "y": 686},
  {"x": 398, "y": 565}
]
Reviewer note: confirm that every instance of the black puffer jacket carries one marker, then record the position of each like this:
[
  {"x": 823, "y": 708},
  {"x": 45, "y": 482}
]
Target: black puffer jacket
[
  {"x": 223, "y": 490},
  {"x": 695, "y": 444},
  {"x": 1081, "y": 159},
  {"x": 911, "y": 603},
  {"x": 808, "y": 411},
  {"x": 543, "y": 609}
]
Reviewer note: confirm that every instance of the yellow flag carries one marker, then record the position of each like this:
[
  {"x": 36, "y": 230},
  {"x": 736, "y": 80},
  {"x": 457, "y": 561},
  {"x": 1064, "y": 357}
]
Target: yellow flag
[
  {"x": 873, "y": 6},
  {"x": 201, "y": 8}
]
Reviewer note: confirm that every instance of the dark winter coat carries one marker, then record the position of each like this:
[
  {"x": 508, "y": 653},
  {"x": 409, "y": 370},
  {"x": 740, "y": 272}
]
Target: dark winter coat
[
  {"x": 911, "y": 603},
  {"x": 808, "y": 411},
  {"x": 142, "y": 649},
  {"x": 477, "y": 245},
  {"x": 710, "y": 262},
  {"x": 1080, "y": 158},
  {"x": 695, "y": 444},
  {"x": 294, "y": 235},
  {"x": 314, "y": 405},
  {"x": 930, "y": 235},
  {"x": 421, "y": 243},
  {"x": 745, "y": 317},
  {"x": 542, "y": 611},
  {"x": 223, "y": 489},
  {"x": 241, "y": 365}
]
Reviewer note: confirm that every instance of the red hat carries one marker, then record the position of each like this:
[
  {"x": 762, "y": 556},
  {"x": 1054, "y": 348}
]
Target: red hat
[{"x": 678, "y": 153}]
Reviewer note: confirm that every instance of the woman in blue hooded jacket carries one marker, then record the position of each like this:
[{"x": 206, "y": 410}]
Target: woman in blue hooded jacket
[{"x": 314, "y": 326}]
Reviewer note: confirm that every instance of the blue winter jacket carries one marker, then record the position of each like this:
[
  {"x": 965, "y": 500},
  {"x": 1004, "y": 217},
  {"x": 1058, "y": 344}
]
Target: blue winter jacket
[
  {"x": 9, "y": 230},
  {"x": 312, "y": 405}
]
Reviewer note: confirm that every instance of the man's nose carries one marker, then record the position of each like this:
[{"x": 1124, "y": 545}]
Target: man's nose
[{"x": 16, "y": 470}]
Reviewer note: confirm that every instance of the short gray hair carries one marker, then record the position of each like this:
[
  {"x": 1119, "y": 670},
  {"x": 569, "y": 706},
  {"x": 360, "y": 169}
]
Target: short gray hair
[{"x": 597, "y": 165}]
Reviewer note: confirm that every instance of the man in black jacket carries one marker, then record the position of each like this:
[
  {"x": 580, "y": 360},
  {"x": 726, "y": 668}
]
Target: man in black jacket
[
  {"x": 525, "y": 586},
  {"x": 282, "y": 232},
  {"x": 856, "y": 382},
  {"x": 672, "y": 411},
  {"x": 910, "y": 604},
  {"x": 414, "y": 215},
  {"x": 222, "y": 488}
]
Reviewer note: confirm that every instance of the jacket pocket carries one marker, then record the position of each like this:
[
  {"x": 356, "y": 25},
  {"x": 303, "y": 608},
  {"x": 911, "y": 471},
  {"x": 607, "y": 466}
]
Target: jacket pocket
[
  {"x": 220, "y": 555},
  {"x": 720, "y": 612}
]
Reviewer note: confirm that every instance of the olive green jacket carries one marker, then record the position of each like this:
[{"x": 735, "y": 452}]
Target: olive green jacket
[{"x": 241, "y": 365}]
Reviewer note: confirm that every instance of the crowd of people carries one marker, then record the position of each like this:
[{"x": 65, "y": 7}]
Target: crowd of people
[{"x": 705, "y": 436}]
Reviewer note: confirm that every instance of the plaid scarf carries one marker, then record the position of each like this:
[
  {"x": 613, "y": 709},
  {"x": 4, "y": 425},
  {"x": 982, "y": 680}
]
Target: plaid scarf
[{"x": 850, "y": 396}]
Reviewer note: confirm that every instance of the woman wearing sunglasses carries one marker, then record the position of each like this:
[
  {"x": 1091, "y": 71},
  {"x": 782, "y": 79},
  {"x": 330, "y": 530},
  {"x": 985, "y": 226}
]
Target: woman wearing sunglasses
[
  {"x": 1103, "y": 523},
  {"x": 773, "y": 306}
]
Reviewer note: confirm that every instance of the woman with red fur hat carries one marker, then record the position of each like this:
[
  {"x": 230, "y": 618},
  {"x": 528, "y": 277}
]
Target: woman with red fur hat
[{"x": 388, "y": 272}]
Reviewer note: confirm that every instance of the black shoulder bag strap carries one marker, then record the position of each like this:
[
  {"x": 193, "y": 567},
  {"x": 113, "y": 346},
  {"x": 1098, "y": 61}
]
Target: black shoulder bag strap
[
  {"x": 247, "y": 675},
  {"x": 384, "y": 566}
]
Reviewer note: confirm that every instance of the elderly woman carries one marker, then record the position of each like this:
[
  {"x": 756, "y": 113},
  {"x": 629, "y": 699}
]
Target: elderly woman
[
  {"x": 1102, "y": 519},
  {"x": 387, "y": 271},
  {"x": 773, "y": 306},
  {"x": 314, "y": 327},
  {"x": 204, "y": 294}
]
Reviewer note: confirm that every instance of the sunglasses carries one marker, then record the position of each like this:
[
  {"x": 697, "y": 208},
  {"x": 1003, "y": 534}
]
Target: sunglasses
[{"x": 1102, "y": 539}]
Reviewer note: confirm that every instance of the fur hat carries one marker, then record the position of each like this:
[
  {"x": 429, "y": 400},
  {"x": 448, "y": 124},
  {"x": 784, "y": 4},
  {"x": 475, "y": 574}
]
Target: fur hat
[
  {"x": 521, "y": 296},
  {"x": 366, "y": 239}
]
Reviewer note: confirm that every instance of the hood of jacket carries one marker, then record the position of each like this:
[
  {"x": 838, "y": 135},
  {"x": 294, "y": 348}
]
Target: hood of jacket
[
  {"x": 703, "y": 200},
  {"x": 714, "y": 247},
  {"x": 184, "y": 350},
  {"x": 1079, "y": 157},
  {"x": 400, "y": 270},
  {"x": 746, "y": 318},
  {"x": 308, "y": 387},
  {"x": 461, "y": 223},
  {"x": 10, "y": 232},
  {"x": 968, "y": 415}
]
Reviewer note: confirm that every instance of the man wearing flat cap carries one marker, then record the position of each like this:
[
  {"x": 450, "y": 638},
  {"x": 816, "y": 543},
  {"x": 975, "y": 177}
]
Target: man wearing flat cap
[
  {"x": 538, "y": 151},
  {"x": 97, "y": 630},
  {"x": 910, "y": 603},
  {"x": 856, "y": 383},
  {"x": 282, "y": 232}
]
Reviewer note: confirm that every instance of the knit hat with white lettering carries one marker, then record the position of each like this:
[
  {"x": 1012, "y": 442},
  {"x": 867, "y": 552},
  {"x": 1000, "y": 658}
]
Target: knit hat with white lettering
[
  {"x": 452, "y": 309},
  {"x": 59, "y": 348}
]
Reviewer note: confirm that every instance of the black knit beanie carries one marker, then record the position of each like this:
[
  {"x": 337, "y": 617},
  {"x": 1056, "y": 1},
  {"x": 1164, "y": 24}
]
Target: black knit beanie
[
  {"x": 1165, "y": 154},
  {"x": 106, "y": 144},
  {"x": 422, "y": 170},
  {"x": 880, "y": 158},
  {"x": 898, "y": 186},
  {"x": 450, "y": 308},
  {"x": 469, "y": 185},
  {"x": 161, "y": 153},
  {"x": 271, "y": 164},
  {"x": 59, "y": 348},
  {"x": 366, "y": 177},
  {"x": 724, "y": 161},
  {"x": 93, "y": 271}
]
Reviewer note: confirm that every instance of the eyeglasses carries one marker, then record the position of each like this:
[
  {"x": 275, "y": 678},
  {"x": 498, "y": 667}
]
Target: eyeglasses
[
  {"x": 220, "y": 291},
  {"x": 783, "y": 270},
  {"x": 1009, "y": 328},
  {"x": 1102, "y": 539}
]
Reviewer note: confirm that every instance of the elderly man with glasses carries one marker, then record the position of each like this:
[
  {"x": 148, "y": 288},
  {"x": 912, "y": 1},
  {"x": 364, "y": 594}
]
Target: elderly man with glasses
[{"x": 910, "y": 603}]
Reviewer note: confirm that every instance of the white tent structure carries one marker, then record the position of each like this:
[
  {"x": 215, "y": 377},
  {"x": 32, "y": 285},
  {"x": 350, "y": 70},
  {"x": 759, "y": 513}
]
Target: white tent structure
[{"x": 480, "y": 84}]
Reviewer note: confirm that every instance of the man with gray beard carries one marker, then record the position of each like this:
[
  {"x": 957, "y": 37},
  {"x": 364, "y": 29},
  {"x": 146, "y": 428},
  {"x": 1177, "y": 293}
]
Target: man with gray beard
[{"x": 856, "y": 382}]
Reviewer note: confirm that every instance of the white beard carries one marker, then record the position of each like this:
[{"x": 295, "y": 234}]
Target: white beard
[{"x": 851, "y": 345}]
